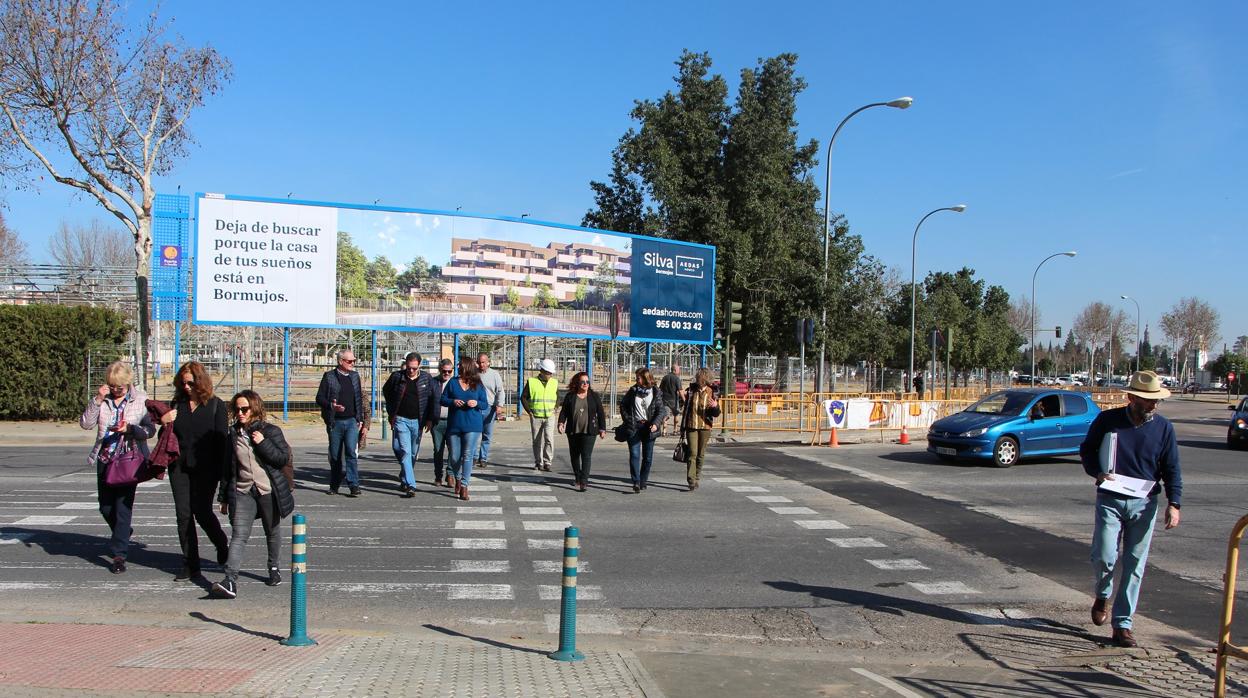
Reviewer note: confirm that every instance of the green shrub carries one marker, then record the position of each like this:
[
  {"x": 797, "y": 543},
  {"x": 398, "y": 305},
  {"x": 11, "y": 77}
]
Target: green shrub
[{"x": 44, "y": 357}]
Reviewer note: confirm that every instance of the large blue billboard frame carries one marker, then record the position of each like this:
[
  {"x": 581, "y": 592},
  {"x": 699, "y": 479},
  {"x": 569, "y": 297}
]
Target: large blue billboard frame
[{"x": 709, "y": 330}]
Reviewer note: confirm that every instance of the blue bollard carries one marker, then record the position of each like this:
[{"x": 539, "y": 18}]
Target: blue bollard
[
  {"x": 567, "y": 612},
  {"x": 299, "y": 585}
]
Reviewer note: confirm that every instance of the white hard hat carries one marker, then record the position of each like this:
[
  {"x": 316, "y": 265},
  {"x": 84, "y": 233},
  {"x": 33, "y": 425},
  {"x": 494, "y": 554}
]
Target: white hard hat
[{"x": 547, "y": 365}]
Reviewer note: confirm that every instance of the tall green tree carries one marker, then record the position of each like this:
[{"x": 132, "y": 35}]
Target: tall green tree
[
  {"x": 380, "y": 275},
  {"x": 352, "y": 268}
]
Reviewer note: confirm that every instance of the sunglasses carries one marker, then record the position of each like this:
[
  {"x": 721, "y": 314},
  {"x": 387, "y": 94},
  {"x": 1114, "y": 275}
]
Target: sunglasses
[
  {"x": 347, "y": 361},
  {"x": 243, "y": 409},
  {"x": 413, "y": 368},
  {"x": 188, "y": 382},
  {"x": 584, "y": 383}
]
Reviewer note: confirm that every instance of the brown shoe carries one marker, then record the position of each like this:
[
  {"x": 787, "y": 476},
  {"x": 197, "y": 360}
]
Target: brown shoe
[
  {"x": 463, "y": 493},
  {"x": 1124, "y": 638},
  {"x": 452, "y": 483},
  {"x": 1100, "y": 612}
]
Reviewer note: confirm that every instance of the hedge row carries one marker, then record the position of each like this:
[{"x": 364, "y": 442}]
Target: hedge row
[{"x": 43, "y": 357}]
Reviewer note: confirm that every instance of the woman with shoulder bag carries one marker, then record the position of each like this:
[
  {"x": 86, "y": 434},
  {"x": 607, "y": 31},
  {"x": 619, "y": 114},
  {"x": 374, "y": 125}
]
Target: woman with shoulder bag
[
  {"x": 701, "y": 409},
  {"x": 122, "y": 425},
  {"x": 642, "y": 411},
  {"x": 200, "y": 423},
  {"x": 582, "y": 418},
  {"x": 258, "y": 486}
]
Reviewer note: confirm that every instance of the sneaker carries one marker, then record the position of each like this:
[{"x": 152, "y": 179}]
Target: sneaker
[
  {"x": 118, "y": 566},
  {"x": 275, "y": 577},
  {"x": 224, "y": 589},
  {"x": 355, "y": 492}
]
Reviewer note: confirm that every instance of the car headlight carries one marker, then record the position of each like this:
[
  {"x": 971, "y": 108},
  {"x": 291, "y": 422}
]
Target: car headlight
[{"x": 974, "y": 432}]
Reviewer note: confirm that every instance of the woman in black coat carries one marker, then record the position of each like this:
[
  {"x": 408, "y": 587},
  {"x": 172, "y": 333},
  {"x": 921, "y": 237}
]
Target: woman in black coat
[
  {"x": 582, "y": 418},
  {"x": 642, "y": 411},
  {"x": 257, "y": 486},
  {"x": 200, "y": 422}
]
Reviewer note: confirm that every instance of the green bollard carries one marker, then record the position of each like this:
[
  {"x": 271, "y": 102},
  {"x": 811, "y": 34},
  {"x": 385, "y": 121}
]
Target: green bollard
[
  {"x": 299, "y": 585},
  {"x": 567, "y": 613}
]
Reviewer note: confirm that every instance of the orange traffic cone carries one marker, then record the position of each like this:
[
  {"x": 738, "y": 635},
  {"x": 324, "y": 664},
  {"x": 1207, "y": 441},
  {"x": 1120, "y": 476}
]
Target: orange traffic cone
[
  {"x": 832, "y": 442},
  {"x": 905, "y": 437}
]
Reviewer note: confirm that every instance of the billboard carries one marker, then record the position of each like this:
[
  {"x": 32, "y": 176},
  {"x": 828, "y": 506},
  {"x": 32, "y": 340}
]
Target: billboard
[{"x": 277, "y": 262}]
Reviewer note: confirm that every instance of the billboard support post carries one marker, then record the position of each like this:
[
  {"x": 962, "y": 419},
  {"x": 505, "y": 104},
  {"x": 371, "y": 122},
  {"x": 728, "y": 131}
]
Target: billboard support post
[
  {"x": 589, "y": 359},
  {"x": 285, "y": 372},
  {"x": 519, "y": 375}
]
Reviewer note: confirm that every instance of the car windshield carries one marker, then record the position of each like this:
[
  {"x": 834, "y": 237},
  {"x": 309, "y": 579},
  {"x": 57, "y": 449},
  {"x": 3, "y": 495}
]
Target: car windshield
[{"x": 1004, "y": 403}]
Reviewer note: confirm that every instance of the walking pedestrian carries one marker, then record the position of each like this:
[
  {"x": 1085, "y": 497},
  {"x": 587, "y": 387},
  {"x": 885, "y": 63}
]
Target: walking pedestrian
[
  {"x": 446, "y": 369},
  {"x": 1129, "y": 442},
  {"x": 345, "y": 413},
  {"x": 496, "y": 396},
  {"x": 412, "y": 403},
  {"x": 467, "y": 402},
  {"x": 641, "y": 411},
  {"x": 121, "y": 423},
  {"x": 200, "y": 424},
  {"x": 582, "y": 418},
  {"x": 259, "y": 485},
  {"x": 918, "y": 384},
  {"x": 539, "y": 397},
  {"x": 670, "y": 389},
  {"x": 701, "y": 409}
]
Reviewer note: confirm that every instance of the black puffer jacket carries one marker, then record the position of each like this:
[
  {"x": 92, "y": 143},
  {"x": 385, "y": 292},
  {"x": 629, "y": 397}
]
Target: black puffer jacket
[
  {"x": 274, "y": 455},
  {"x": 655, "y": 414}
]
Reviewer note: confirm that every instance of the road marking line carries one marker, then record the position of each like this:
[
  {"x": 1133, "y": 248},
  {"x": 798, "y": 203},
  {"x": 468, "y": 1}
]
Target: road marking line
[
  {"x": 898, "y": 564},
  {"x": 79, "y": 505},
  {"x": 768, "y": 499},
  {"x": 588, "y": 623},
  {"x": 496, "y": 511},
  {"x": 794, "y": 511},
  {"x": 530, "y": 488},
  {"x": 886, "y": 683},
  {"x": 152, "y": 483},
  {"x": 483, "y": 566},
  {"x": 748, "y": 488},
  {"x": 545, "y": 543},
  {"x": 553, "y": 592},
  {"x": 856, "y": 543},
  {"x": 729, "y": 479},
  {"x": 479, "y": 591},
  {"x": 536, "y": 498},
  {"x": 545, "y": 525},
  {"x": 556, "y": 566},
  {"x": 43, "y": 521},
  {"x": 480, "y": 526},
  {"x": 942, "y": 588},
  {"x": 542, "y": 511},
  {"x": 481, "y": 498},
  {"x": 482, "y": 488},
  {"x": 820, "y": 524},
  {"x": 479, "y": 543}
]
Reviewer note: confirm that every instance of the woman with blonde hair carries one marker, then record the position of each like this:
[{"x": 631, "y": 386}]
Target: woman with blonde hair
[
  {"x": 119, "y": 417},
  {"x": 200, "y": 422},
  {"x": 701, "y": 409},
  {"x": 641, "y": 411}
]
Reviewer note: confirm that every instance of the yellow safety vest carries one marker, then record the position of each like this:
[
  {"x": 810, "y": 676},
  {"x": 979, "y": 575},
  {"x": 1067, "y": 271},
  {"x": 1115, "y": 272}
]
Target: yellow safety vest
[{"x": 542, "y": 397}]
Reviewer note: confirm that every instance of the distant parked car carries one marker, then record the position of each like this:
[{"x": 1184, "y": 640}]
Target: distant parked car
[
  {"x": 1009, "y": 425},
  {"x": 1237, "y": 431}
]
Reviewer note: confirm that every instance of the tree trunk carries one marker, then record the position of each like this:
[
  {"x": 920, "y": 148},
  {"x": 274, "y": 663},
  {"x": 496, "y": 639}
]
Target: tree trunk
[{"x": 142, "y": 273}]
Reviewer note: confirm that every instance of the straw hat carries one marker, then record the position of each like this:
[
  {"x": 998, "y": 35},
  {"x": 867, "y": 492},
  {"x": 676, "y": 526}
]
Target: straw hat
[{"x": 1147, "y": 385}]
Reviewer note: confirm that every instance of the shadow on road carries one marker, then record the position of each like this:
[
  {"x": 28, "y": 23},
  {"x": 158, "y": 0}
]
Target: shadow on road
[
  {"x": 234, "y": 626},
  {"x": 92, "y": 549},
  {"x": 482, "y": 640},
  {"x": 1207, "y": 445}
]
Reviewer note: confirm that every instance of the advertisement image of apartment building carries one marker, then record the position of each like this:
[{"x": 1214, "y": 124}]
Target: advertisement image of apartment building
[{"x": 482, "y": 271}]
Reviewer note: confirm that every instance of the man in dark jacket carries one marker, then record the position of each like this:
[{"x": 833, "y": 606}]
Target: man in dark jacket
[
  {"x": 346, "y": 416},
  {"x": 411, "y": 403},
  {"x": 670, "y": 390}
]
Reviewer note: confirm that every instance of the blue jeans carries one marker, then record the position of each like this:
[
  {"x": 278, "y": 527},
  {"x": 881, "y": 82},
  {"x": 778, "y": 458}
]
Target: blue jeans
[
  {"x": 487, "y": 436},
  {"x": 406, "y": 445},
  {"x": 344, "y": 449},
  {"x": 641, "y": 454},
  {"x": 463, "y": 445},
  {"x": 1134, "y": 519}
]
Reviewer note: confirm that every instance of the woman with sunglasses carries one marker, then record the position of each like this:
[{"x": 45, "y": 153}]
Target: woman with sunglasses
[
  {"x": 121, "y": 423},
  {"x": 258, "y": 486},
  {"x": 582, "y": 418},
  {"x": 201, "y": 425},
  {"x": 467, "y": 405},
  {"x": 642, "y": 411}
]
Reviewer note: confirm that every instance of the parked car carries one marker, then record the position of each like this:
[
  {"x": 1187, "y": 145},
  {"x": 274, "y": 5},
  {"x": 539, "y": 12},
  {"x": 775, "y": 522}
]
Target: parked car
[
  {"x": 1237, "y": 431},
  {"x": 1009, "y": 425}
]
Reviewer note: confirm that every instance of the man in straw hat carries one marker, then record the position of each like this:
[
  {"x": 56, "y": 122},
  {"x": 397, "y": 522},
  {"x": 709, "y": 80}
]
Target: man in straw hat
[{"x": 1144, "y": 447}]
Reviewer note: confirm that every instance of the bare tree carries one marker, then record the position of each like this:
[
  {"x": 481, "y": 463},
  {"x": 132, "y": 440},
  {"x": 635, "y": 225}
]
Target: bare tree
[
  {"x": 12, "y": 248},
  {"x": 1019, "y": 316},
  {"x": 100, "y": 107},
  {"x": 1192, "y": 325},
  {"x": 91, "y": 247},
  {"x": 1093, "y": 325}
]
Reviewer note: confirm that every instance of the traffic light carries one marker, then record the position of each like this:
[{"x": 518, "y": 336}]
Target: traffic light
[
  {"x": 732, "y": 323},
  {"x": 718, "y": 345},
  {"x": 808, "y": 331},
  {"x": 1059, "y": 331}
]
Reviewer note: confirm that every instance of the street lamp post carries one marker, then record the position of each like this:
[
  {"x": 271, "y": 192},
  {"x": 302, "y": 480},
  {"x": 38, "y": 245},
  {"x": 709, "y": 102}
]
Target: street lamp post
[
  {"x": 914, "y": 241},
  {"x": 1033, "y": 309},
  {"x": 1137, "y": 329},
  {"x": 899, "y": 103}
]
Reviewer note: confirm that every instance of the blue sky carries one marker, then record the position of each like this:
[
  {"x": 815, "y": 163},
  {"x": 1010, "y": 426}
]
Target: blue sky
[{"x": 1116, "y": 129}]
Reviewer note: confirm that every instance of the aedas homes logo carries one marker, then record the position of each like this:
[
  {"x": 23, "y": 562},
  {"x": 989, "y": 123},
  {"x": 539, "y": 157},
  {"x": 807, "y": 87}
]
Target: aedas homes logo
[{"x": 690, "y": 267}]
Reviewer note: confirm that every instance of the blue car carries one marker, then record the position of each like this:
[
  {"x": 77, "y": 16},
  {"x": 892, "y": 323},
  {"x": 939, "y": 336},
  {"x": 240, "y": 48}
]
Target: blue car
[
  {"x": 1012, "y": 424},
  {"x": 1237, "y": 432}
]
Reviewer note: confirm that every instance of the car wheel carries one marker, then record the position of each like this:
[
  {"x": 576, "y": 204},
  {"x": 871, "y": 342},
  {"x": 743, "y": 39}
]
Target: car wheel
[{"x": 1005, "y": 452}]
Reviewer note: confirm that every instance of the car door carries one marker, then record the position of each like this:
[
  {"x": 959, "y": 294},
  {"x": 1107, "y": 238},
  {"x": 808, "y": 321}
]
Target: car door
[
  {"x": 1076, "y": 418},
  {"x": 1043, "y": 431}
]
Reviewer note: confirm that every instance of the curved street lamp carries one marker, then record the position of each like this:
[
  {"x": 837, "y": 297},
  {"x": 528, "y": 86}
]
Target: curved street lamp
[
  {"x": 1033, "y": 309},
  {"x": 914, "y": 241},
  {"x": 899, "y": 103},
  {"x": 1137, "y": 329}
]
